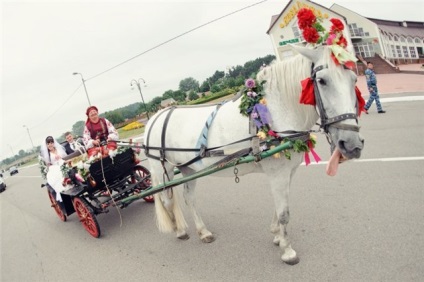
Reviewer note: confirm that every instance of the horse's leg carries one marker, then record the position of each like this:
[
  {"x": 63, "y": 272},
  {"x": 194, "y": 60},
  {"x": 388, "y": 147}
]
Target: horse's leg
[
  {"x": 189, "y": 195},
  {"x": 280, "y": 186},
  {"x": 169, "y": 216}
]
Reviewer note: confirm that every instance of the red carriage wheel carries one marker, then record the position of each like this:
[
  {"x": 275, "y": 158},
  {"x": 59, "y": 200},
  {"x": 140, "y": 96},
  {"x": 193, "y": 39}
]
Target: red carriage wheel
[
  {"x": 56, "y": 207},
  {"x": 141, "y": 172},
  {"x": 86, "y": 216}
]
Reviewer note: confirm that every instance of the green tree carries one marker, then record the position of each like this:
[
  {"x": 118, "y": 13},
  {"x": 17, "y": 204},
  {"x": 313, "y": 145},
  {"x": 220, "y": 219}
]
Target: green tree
[
  {"x": 188, "y": 84},
  {"x": 78, "y": 128},
  {"x": 192, "y": 95},
  {"x": 114, "y": 117}
]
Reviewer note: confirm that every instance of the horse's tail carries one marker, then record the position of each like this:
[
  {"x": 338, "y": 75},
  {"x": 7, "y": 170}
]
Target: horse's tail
[{"x": 169, "y": 216}]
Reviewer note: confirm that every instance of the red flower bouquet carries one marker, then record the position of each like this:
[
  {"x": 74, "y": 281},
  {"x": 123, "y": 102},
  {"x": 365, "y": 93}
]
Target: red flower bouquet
[
  {"x": 305, "y": 18},
  {"x": 310, "y": 34}
]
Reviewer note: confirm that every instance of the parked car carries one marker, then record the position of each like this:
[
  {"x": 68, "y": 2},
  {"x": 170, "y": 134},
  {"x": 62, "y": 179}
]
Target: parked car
[
  {"x": 13, "y": 170},
  {"x": 2, "y": 185}
]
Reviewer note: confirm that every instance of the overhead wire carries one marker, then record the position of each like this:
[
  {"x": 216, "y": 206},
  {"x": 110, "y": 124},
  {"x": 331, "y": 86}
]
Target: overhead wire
[
  {"x": 73, "y": 93},
  {"x": 176, "y": 37}
]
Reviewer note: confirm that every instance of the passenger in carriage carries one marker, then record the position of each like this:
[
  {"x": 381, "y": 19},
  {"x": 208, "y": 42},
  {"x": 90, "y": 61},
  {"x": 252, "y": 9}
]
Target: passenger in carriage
[
  {"x": 71, "y": 144},
  {"x": 52, "y": 152},
  {"x": 98, "y": 131}
]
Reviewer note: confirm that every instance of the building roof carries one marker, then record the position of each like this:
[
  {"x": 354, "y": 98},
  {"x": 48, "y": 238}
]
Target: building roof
[
  {"x": 405, "y": 28},
  {"x": 276, "y": 17}
]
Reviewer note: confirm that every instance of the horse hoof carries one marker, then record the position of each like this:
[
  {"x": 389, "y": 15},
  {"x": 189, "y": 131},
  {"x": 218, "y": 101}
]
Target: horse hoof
[
  {"x": 183, "y": 237},
  {"x": 208, "y": 239},
  {"x": 292, "y": 261},
  {"x": 290, "y": 257}
]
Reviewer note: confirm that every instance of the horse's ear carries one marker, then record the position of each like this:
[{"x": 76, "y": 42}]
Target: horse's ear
[{"x": 309, "y": 53}]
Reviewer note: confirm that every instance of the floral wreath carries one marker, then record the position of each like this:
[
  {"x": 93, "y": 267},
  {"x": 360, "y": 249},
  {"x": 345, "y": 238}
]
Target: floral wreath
[
  {"x": 313, "y": 32},
  {"x": 253, "y": 105}
]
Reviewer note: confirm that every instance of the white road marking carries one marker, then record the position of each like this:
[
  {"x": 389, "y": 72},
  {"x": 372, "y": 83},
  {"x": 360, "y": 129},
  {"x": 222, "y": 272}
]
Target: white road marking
[
  {"x": 402, "y": 99},
  {"x": 398, "y": 159}
]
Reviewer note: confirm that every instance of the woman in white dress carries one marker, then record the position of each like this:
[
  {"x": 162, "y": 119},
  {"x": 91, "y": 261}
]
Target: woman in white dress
[{"x": 52, "y": 153}]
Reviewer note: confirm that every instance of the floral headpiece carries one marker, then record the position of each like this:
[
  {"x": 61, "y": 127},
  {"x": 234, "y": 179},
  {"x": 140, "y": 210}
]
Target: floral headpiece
[{"x": 313, "y": 32}]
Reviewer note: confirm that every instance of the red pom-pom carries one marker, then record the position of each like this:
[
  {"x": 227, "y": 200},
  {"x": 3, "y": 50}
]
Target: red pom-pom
[
  {"x": 305, "y": 18},
  {"x": 310, "y": 34},
  {"x": 337, "y": 25}
]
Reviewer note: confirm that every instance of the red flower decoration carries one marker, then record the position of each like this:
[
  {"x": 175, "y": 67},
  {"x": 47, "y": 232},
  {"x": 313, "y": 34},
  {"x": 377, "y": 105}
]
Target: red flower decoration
[
  {"x": 305, "y": 18},
  {"x": 337, "y": 25},
  {"x": 342, "y": 41},
  {"x": 310, "y": 34}
]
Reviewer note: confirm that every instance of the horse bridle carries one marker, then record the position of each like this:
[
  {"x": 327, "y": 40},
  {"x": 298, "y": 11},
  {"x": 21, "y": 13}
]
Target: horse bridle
[{"x": 326, "y": 122}]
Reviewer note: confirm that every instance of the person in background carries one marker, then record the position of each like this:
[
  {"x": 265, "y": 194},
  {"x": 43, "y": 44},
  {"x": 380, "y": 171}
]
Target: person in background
[
  {"x": 97, "y": 130},
  {"x": 52, "y": 152},
  {"x": 372, "y": 88}
]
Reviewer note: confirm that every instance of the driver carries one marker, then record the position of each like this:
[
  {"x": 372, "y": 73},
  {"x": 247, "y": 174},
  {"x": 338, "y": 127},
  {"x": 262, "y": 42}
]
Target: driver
[{"x": 98, "y": 131}]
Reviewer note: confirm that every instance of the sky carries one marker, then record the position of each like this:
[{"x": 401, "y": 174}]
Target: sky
[{"x": 113, "y": 42}]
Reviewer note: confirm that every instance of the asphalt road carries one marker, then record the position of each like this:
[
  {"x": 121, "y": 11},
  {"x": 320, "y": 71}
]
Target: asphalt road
[{"x": 365, "y": 224}]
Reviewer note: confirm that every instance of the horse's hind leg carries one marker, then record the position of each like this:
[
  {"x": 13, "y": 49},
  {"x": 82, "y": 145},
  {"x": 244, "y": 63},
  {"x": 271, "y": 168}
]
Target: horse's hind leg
[{"x": 189, "y": 188}]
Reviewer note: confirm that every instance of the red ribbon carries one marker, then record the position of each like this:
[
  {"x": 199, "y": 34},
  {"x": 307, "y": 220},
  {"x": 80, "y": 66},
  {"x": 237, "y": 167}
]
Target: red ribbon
[
  {"x": 314, "y": 154},
  {"x": 361, "y": 101},
  {"x": 307, "y": 96}
]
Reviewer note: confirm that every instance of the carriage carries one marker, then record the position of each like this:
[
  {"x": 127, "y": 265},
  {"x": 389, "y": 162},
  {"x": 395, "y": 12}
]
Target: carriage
[{"x": 104, "y": 184}]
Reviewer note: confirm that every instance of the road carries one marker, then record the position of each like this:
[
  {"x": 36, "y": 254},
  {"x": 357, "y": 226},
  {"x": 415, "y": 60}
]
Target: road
[{"x": 365, "y": 224}]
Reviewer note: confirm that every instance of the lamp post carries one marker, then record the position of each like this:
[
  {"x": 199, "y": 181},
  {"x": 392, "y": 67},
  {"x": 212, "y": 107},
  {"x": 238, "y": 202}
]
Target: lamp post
[
  {"x": 13, "y": 153},
  {"x": 85, "y": 88},
  {"x": 139, "y": 89},
  {"x": 32, "y": 144}
]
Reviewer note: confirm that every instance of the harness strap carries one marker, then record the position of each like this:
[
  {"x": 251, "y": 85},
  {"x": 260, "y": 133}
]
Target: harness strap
[{"x": 163, "y": 137}]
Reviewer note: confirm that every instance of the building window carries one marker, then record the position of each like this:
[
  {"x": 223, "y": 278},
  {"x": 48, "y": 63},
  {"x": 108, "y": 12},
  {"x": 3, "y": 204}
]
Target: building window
[
  {"x": 417, "y": 40},
  {"x": 412, "y": 52},
  {"x": 390, "y": 38},
  {"x": 364, "y": 49},
  {"x": 393, "y": 51},
  {"x": 296, "y": 32},
  {"x": 398, "y": 51},
  {"x": 409, "y": 39},
  {"x": 396, "y": 38},
  {"x": 357, "y": 31},
  {"x": 402, "y": 39},
  {"x": 405, "y": 51}
]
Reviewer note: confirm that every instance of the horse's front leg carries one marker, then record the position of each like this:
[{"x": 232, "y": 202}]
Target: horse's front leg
[
  {"x": 204, "y": 234},
  {"x": 280, "y": 185}
]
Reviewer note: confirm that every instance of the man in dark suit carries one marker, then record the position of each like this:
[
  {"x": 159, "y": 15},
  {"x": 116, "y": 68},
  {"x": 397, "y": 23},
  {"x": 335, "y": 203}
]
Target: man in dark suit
[{"x": 71, "y": 144}]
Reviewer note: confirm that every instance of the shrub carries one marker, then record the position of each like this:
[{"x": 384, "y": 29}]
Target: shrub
[{"x": 133, "y": 125}]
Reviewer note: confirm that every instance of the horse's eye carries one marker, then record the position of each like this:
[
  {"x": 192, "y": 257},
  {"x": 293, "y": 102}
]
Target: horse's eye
[{"x": 321, "y": 81}]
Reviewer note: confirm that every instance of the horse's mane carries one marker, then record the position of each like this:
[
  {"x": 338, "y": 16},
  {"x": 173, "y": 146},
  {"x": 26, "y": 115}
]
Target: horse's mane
[{"x": 283, "y": 88}]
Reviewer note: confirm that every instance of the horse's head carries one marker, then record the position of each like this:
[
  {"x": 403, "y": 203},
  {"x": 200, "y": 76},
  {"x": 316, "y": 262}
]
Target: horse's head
[{"x": 332, "y": 88}]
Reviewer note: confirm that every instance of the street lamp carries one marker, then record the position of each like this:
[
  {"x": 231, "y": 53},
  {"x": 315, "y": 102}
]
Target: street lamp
[
  {"x": 85, "y": 88},
  {"x": 32, "y": 144},
  {"x": 139, "y": 89}
]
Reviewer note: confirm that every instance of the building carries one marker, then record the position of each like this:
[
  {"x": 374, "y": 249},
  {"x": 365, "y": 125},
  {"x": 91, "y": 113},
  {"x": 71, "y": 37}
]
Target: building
[
  {"x": 386, "y": 43},
  {"x": 397, "y": 42}
]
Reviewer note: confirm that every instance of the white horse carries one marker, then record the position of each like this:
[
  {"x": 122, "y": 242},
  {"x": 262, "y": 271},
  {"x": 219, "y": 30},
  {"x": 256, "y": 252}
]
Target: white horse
[{"x": 169, "y": 136}]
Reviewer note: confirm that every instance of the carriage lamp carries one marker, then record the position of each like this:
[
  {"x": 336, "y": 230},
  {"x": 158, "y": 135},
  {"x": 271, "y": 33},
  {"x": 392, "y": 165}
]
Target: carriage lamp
[{"x": 85, "y": 88}]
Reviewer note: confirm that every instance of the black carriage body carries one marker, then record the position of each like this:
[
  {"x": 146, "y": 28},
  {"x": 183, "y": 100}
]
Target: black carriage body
[{"x": 111, "y": 171}]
